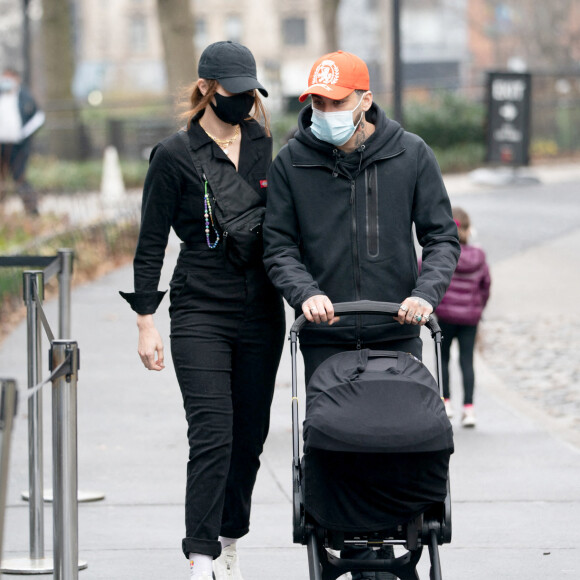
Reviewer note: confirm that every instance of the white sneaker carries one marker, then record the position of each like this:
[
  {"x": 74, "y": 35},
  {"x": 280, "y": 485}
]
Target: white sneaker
[
  {"x": 448, "y": 408},
  {"x": 227, "y": 566},
  {"x": 468, "y": 417}
]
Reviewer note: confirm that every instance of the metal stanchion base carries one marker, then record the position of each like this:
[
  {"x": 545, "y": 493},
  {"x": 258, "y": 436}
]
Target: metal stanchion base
[
  {"x": 32, "y": 566},
  {"x": 28, "y": 566},
  {"x": 82, "y": 496}
]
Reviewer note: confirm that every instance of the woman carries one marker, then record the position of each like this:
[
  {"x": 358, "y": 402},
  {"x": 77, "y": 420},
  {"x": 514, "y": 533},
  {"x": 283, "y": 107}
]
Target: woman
[{"x": 227, "y": 321}]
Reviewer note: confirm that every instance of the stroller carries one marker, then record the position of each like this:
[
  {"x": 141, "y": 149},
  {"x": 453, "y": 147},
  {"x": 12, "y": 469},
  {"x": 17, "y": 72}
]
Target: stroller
[{"x": 377, "y": 443}]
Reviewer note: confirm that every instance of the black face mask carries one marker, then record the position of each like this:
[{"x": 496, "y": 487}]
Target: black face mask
[{"x": 233, "y": 109}]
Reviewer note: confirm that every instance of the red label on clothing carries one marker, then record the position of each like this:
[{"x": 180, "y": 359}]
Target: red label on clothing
[{"x": 263, "y": 183}]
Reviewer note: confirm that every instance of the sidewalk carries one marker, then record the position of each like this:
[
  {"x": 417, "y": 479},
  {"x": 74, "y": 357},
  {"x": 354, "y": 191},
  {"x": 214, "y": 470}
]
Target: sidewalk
[{"x": 514, "y": 479}]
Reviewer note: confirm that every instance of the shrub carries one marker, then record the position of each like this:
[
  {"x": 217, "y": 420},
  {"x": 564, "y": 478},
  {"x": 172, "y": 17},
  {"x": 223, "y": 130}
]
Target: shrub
[
  {"x": 460, "y": 158},
  {"x": 48, "y": 174},
  {"x": 98, "y": 249},
  {"x": 446, "y": 122}
]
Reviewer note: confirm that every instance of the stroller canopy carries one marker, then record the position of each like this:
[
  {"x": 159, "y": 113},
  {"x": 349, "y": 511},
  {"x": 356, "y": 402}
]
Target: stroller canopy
[{"x": 375, "y": 402}]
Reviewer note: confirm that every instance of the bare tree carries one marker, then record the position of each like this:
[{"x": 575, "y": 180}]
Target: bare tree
[
  {"x": 330, "y": 23},
  {"x": 544, "y": 34},
  {"x": 549, "y": 33},
  {"x": 61, "y": 113},
  {"x": 177, "y": 33}
]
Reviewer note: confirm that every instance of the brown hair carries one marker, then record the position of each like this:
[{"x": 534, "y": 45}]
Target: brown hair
[
  {"x": 195, "y": 102},
  {"x": 463, "y": 224}
]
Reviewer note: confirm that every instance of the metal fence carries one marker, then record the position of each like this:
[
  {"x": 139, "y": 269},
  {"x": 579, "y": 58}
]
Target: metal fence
[{"x": 134, "y": 128}]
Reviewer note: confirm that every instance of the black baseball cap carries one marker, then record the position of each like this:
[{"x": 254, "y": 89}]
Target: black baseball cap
[{"x": 232, "y": 64}]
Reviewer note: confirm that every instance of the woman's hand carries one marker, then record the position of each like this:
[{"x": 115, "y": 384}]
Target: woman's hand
[
  {"x": 150, "y": 344},
  {"x": 319, "y": 309},
  {"x": 414, "y": 310}
]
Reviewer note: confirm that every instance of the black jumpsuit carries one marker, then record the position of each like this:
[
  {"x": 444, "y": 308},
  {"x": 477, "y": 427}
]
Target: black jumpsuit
[{"x": 227, "y": 332}]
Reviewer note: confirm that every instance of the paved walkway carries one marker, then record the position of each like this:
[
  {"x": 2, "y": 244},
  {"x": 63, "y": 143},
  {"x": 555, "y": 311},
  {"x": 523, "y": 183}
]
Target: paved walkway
[{"x": 515, "y": 479}]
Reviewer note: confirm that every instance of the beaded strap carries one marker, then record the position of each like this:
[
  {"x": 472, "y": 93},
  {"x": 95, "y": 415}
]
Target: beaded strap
[{"x": 208, "y": 215}]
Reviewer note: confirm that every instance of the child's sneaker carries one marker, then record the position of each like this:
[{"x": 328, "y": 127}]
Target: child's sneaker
[
  {"x": 448, "y": 408},
  {"x": 468, "y": 418}
]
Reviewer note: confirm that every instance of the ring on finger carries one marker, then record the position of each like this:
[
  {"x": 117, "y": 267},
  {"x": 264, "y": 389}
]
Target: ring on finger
[
  {"x": 313, "y": 310},
  {"x": 426, "y": 318},
  {"x": 404, "y": 308},
  {"x": 418, "y": 317}
]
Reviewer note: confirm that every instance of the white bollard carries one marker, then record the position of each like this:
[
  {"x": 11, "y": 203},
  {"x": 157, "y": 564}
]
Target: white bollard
[{"x": 112, "y": 184}]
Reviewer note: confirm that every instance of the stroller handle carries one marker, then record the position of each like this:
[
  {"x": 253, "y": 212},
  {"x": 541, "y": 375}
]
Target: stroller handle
[{"x": 362, "y": 307}]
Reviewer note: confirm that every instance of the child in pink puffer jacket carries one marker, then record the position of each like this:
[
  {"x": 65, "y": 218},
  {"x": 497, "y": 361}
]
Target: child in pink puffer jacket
[{"x": 459, "y": 314}]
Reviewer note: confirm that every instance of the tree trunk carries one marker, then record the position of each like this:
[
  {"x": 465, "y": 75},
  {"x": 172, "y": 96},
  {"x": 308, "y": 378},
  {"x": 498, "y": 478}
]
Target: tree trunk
[
  {"x": 177, "y": 34},
  {"x": 62, "y": 123},
  {"x": 330, "y": 24}
]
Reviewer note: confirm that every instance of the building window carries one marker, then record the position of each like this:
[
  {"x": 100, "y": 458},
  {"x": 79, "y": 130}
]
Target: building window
[
  {"x": 201, "y": 37},
  {"x": 138, "y": 33},
  {"x": 233, "y": 28},
  {"x": 294, "y": 31}
]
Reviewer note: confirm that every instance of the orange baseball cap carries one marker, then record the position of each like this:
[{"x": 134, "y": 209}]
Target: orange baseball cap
[{"x": 336, "y": 75}]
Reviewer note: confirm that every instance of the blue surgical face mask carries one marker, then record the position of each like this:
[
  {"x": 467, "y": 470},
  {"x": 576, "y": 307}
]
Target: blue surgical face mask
[
  {"x": 7, "y": 84},
  {"x": 336, "y": 127}
]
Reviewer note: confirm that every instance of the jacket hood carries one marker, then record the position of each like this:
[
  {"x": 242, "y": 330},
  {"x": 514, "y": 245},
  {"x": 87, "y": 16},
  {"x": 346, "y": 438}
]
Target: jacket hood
[
  {"x": 470, "y": 260},
  {"x": 386, "y": 141}
]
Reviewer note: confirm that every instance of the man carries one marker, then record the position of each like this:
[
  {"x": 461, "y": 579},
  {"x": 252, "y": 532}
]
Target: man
[
  {"x": 343, "y": 196},
  {"x": 19, "y": 119}
]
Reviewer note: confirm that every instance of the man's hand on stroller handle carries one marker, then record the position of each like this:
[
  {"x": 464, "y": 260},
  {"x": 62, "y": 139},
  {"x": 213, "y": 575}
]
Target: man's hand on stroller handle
[
  {"x": 319, "y": 309},
  {"x": 414, "y": 310}
]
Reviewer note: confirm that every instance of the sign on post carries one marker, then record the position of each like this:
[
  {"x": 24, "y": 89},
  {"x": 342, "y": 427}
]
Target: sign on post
[{"x": 508, "y": 120}]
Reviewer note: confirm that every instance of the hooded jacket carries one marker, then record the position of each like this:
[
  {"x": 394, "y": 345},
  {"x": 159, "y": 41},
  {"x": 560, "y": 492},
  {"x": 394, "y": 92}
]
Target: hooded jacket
[
  {"x": 468, "y": 291},
  {"x": 342, "y": 225}
]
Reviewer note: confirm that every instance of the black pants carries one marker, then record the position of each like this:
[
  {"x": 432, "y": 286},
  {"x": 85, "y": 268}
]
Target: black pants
[
  {"x": 227, "y": 333},
  {"x": 314, "y": 355},
  {"x": 14, "y": 162},
  {"x": 465, "y": 336}
]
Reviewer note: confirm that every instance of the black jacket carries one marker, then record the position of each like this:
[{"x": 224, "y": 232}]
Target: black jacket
[
  {"x": 342, "y": 225},
  {"x": 173, "y": 198}
]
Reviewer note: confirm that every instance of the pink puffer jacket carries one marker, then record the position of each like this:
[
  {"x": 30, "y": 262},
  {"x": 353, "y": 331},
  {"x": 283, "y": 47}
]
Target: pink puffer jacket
[{"x": 468, "y": 292}]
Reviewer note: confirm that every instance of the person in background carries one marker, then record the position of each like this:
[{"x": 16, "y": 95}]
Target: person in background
[
  {"x": 20, "y": 118},
  {"x": 227, "y": 320},
  {"x": 344, "y": 195},
  {"x": 459, "y": 314}
]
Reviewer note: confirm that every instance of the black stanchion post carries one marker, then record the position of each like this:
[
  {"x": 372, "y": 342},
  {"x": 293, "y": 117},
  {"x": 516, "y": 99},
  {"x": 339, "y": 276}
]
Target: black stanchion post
[
  {"x": 65, "y": 468},
  {"x": 8, "y": 401}
]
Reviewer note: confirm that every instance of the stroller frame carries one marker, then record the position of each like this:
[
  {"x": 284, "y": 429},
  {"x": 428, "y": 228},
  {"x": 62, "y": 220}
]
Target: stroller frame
[{"x": 431, "y": 529}]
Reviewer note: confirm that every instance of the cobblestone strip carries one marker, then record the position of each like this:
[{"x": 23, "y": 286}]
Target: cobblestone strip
[{"x": 539, "y": 359}]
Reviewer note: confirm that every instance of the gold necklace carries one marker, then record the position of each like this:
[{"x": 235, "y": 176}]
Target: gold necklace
[{"x": 224, "y": 143}]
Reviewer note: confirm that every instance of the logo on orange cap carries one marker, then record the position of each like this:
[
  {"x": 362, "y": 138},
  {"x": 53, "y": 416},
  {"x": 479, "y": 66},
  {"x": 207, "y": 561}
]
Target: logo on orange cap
[
  {"x": 326, "y": 73},
  {"x": 336, "y": 75}
]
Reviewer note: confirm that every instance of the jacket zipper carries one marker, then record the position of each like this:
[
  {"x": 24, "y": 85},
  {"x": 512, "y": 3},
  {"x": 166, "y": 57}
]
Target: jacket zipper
[
  {"x": 372, "y": 213},
  {"x": 355, "y": 258}
]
